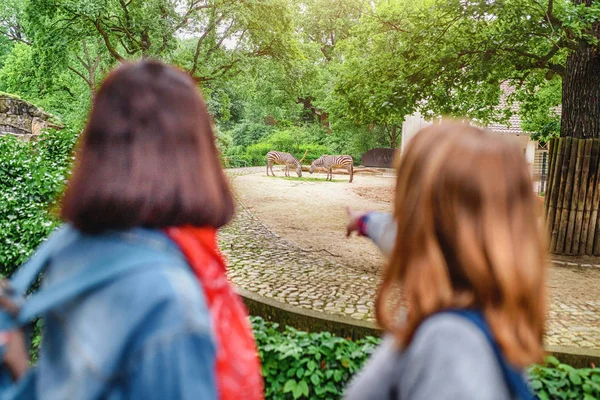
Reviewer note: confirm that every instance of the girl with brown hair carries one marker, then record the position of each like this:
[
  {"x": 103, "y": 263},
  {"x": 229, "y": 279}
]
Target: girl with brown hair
[
  {"x": 154, "y": 316},
  {"x": 468, "y": 257}
]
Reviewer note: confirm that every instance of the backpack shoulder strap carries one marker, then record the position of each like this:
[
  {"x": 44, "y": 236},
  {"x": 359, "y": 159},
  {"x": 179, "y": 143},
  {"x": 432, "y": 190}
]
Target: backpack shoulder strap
[{"x": 513, "y": 377}]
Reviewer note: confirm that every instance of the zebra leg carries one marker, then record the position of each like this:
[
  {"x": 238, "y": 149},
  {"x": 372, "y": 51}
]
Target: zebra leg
[
  {"x": 267, "y": 168},
  {"x": 351, "y": 171},
  {"x": 330, "y": 174},
  {"x": 272, "y": 170}
]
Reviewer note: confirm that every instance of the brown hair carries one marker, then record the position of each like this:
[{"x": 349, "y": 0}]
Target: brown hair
[
  {"x": 147, "y": 156},
  {"x": 468, "y": 237}
]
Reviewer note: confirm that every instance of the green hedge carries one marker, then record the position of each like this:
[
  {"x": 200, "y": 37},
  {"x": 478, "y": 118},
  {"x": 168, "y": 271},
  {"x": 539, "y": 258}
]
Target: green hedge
[
  {"x": 294, "y": 140},
  {"x": 302, "y": 365},
  {"x": 561, "y": 381},
  {"x": 297, "y": 364},
  {"x": 32, "y": 175}
]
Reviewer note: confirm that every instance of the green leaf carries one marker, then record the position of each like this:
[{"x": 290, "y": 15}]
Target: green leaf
[
  {"x": 337, "y": 375},
  {"x": 574, "y": 377},
  {"x": 290, "y": 386},
  {"x": 536, "y": 384},
  {"x": 543, "y": 395},
  {"x": 311, "y": 365},
  {"x": 303, "y": 387},
  {"x": 300, "y": 372},
  {"x": 551, "y": 360},
  {"x": 315, "y": 379}
]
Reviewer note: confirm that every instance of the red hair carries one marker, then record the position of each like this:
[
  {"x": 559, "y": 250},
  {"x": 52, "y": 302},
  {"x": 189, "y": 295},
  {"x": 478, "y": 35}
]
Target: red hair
[{"x": 468, "y": 237}]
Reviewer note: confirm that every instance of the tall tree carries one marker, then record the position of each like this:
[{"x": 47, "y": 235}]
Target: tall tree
[
  {"x": 219, "y": 34},
  {"x": 456, "y": 53}
]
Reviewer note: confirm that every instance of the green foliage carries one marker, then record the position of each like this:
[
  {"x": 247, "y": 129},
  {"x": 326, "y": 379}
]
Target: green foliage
[
  {"x": 299, "y": 365},
  {"x": 32, "y": 174},
  {"x": 539, "y": 98},
  {"x": 294, "y": 140},
  {"x": 302, "y": 365},
  {"x": 62, "y": 95},
  {"x": 18, "y": 74},
  {"x": 248, "y": 133},
  {"x": 561, "y": 381}
]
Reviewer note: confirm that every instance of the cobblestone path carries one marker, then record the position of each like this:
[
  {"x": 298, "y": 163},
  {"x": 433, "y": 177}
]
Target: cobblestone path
[{"x": 262, "y": 262}]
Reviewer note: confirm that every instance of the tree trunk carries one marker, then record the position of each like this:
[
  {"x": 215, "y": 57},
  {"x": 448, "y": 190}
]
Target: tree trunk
[
  {"x": 572, "y": 202},
  {"x": 393, "y": 134},
  {"x": 581, "y": 95}
]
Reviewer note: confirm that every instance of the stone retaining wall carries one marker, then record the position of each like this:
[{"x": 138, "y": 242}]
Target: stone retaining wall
[
  {"x": 314, "y": 321},
  {"x": 22, "y": 119}
]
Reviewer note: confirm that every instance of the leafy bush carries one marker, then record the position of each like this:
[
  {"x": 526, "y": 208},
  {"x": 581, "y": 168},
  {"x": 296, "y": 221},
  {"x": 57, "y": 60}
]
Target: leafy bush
[
  {"x": 301, "y": 365},
  {"x": 32, "y": 174},
  {"x": 298, "y": 364},
  {"x": 246, "y": 134},
  {"x": 294, "y": 140},
  {"x": 561, "y": 381}
]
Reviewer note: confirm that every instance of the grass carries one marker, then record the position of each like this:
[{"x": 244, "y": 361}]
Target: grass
[{"x": 306, "y": 179}]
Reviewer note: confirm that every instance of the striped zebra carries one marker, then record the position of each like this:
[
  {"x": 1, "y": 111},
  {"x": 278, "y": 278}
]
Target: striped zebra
[
  {"x": 279, "y": 157},
  {"x": 330, "y": 162}
]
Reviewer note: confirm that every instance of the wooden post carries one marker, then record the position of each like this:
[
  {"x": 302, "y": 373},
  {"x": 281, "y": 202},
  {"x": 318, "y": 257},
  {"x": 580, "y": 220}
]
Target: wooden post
[
  {"x": 589, "y": 198},
  {"x": 568, "y": 194},
  {"x": 573, "y": 196},
  {"x": 562, "y": 179},
  {"x": 574, "y": 200},
  {"x": 594, "y": 197},
  {"x": 552, "y": 187},
  {"x": 578, "y": 239},
  {"x": 555, "y": 190}
]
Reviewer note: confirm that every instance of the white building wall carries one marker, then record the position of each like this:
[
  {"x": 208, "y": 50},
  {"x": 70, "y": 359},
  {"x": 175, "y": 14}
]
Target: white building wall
[{"x": 411, "y": 125}]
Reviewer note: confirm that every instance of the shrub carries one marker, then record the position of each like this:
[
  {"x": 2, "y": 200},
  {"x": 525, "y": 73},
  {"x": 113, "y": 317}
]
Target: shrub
[
  {"x": 561, "y": 381},
  {"x": 292, "y": 140},
  {"x": 301, "y": 365},
  {"x": 248, "y": 133},
  {"x": 32, "y": 174}
]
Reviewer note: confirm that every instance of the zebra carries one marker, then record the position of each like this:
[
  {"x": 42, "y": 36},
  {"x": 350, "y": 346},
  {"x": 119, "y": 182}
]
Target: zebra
[
  {"x": 330, "y": 162},
  {"x": 284, "y": 158}
]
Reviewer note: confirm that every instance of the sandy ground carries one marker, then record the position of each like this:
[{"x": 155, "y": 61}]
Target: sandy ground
[{"x": 312, "y": 215}]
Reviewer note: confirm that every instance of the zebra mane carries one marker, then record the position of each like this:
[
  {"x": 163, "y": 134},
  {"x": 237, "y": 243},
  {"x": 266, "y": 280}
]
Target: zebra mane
[{"x": 319, "y": 160}]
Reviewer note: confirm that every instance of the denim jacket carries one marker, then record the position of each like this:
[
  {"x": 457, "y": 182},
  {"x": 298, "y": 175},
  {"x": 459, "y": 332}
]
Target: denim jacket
[{"x": 144, "y": 335}]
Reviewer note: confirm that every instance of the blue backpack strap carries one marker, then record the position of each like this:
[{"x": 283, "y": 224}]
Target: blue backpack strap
[{"x": 513, "y": 377}]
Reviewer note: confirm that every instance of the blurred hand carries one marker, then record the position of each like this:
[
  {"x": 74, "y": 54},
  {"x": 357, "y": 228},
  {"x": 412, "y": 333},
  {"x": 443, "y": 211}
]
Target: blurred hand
[
  {"x": 353, "y": 218},
  {"x": 16, "y": 357}
]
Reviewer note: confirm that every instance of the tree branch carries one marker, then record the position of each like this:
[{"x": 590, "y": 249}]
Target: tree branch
[
  {"x": 220, "y": 42},
  {"x": 86, "y": 80},
  {"x": 200, "y": 41},
  {"x": 113, "y": 52},
  {"x": 14, "y": 37}
]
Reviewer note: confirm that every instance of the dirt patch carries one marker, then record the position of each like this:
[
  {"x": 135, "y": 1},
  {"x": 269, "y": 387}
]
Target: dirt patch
[
  {"x": 582, "y": 284},
  {"x": 311, "y": 213},
  {"x": 383, "y": 195}
]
